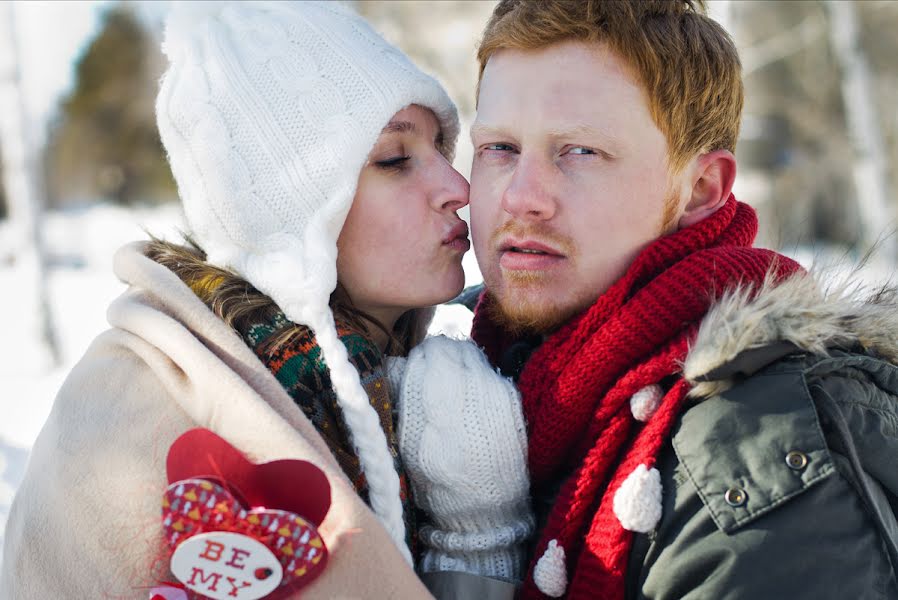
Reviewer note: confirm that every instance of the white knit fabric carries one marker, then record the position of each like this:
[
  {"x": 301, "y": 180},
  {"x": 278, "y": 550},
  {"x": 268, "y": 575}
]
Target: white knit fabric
[
  {"x": 268, "y": 111},
  {"x": 646, "y": 401},
  {"x": 464, "y": 445},
  {"x": 394, "y": 367},
  {"x": 637, "y": 502},
  {"x": 550, "y": 572}
]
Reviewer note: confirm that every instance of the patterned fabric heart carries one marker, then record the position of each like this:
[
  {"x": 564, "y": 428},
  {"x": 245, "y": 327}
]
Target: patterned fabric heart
[
  {"x": 194, "y": 507},
  {"x": 240, "y": 529}
]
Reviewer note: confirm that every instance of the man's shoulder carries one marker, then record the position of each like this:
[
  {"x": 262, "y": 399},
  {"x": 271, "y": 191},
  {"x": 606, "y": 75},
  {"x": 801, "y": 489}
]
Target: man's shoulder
[
  {"x": 740, "y": 447},
  {"x": 770, "y": 435},
  {"x": 788, "y": 444},
  {"x": 748, "y": 329},
  {"x": 767, "y": 472}
]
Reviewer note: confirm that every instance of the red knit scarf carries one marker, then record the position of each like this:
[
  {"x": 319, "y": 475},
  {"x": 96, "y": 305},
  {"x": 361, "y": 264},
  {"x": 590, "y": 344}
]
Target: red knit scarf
[{"x": 576, "y": 387}]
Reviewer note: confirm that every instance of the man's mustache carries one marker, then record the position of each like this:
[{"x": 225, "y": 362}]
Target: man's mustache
[{"x": 540, "y": 232}]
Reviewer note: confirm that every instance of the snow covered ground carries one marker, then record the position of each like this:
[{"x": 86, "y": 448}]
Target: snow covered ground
[{"x": 81, "y": 285}]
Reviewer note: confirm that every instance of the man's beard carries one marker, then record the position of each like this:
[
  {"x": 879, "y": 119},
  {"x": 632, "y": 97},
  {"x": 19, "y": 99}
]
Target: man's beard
[
  {"x": 512, "y": 308},
  {"x": 520, "y": 318}
]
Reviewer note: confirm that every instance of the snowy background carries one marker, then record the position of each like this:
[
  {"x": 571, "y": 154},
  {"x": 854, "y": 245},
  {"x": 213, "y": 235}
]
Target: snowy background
[{"x": 803, "y": 164}]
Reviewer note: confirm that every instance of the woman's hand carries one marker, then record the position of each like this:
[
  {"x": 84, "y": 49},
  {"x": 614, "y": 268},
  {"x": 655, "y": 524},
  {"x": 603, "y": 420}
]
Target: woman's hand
[{"x": 464, "y": 445}]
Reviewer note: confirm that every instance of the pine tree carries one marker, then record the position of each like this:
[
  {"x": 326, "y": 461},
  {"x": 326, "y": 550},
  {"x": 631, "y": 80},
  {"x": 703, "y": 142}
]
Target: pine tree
[{"x": 105, "y": 143}]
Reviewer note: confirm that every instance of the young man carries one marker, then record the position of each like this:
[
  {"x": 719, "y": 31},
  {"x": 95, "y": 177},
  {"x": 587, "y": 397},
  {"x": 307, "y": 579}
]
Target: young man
[{"x": 704, "y": 420}]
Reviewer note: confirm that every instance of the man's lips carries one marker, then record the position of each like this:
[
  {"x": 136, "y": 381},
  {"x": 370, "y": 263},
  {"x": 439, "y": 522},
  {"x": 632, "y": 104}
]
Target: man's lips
[
  {"x": 457, "y": 238},
  {"x": 528, "y": 255},
  {"x": 528, "y": 246}
]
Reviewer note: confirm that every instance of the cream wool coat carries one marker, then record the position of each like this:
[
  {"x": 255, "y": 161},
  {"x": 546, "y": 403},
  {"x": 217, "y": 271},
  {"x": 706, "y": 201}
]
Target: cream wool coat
[{"x": 86, "y": 521}]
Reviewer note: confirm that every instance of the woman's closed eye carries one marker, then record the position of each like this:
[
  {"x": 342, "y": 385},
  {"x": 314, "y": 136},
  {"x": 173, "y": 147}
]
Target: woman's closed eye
[{"x": 395, "y": 163}]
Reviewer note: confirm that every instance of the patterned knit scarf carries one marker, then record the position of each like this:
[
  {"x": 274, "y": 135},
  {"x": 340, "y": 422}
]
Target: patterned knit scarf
[
  {"x": 299, "y": 367},
  {"x": 577, "y": 389}
]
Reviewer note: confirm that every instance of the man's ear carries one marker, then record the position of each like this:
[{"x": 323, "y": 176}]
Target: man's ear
[{"x": 713, "y": 180}]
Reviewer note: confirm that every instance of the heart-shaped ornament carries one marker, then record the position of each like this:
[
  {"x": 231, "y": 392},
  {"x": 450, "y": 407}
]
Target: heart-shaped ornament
[
  {"x": 296, "y": 486},
  {"x": 223, "y": 551},
  {"x": 239, "y": 529},
  {"x": 168, "y": 592}
]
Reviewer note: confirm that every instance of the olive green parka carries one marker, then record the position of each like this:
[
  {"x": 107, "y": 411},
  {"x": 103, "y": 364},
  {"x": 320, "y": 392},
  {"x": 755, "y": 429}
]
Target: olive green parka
[{"x": 781, "y": 477}]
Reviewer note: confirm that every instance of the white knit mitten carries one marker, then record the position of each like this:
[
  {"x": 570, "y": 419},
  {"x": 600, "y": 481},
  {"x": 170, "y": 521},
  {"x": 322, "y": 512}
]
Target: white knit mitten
[{"x": 464, "y": 445}]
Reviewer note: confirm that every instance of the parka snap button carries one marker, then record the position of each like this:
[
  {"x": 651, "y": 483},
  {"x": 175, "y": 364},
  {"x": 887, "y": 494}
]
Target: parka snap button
[
  {"x": 735, "y": 496},
  {"x": 797, "y": 460}
]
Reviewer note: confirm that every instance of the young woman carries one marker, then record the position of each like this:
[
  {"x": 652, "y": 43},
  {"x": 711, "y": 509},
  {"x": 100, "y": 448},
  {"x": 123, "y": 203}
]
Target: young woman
[{"x": 313, "y": 161}]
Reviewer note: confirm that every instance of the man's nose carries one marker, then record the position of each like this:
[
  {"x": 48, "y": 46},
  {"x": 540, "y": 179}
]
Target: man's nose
[{"x": 528, "y": 194}]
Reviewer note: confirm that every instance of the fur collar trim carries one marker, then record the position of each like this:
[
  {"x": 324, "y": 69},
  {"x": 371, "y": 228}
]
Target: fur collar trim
[{"x": 804, "y": 312}]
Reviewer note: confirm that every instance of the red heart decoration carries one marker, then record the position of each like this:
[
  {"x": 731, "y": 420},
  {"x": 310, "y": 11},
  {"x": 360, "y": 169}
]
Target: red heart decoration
[
  {"x": 195, "y": 506},
  {"x": 168, "y": 591},
  {"x": 296, "y": 486},
  {"x": 279, "y": 503}
]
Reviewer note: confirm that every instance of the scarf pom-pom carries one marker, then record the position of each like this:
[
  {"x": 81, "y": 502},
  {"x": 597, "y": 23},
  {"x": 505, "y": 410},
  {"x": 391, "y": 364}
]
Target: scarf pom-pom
[
  {"x": 550, "y": 573},
  {"x": 637, "y": 503},
  {"x": 646, "y": 401}
]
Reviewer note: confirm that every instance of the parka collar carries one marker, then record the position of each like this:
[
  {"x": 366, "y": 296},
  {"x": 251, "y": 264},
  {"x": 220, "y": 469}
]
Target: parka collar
[{"x": 746, "y": 331}]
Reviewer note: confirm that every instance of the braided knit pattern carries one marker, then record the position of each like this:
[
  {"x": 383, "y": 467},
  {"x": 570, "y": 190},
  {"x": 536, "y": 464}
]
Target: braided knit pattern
[
  {"x": 368, "y": 438},
  {"x": 576, "y": 387}
]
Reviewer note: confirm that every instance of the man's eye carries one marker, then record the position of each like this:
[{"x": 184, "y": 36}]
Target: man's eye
[
  {"x": 499, "y": 147},
  {"x": 581, "y": 150}
]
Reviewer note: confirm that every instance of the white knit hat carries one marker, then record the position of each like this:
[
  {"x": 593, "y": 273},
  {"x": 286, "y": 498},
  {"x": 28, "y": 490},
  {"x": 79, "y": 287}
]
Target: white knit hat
[{"x": 268, "y": 111}]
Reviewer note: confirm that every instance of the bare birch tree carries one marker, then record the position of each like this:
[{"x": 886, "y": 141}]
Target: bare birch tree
[
  {"x": 875, "y": 202},
  {"x": 23, "y": 189}
]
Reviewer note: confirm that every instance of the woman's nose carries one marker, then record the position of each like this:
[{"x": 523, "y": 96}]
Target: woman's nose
[{"x": 453, "y": 191}]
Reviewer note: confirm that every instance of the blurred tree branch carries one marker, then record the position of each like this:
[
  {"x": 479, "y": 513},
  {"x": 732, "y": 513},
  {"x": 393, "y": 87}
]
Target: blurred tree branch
[
  {"x": 23, "y": 187},
  {"x": 782, "y": 45},
  {"x": 869, "y": 168}
]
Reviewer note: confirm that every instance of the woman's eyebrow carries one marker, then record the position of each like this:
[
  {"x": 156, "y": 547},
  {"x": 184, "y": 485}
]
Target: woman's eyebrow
[{"x": 399, "y": 127}]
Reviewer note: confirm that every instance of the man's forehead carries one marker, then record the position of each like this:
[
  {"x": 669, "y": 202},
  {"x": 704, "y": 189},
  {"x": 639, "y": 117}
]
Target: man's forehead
[
  {"x": 572, "y": 61},
  {"x": 593, "y": 95}
]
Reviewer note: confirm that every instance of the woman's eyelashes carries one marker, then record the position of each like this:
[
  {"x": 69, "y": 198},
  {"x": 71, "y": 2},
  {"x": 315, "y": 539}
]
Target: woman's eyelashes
[{"x": 394, "y": 163}]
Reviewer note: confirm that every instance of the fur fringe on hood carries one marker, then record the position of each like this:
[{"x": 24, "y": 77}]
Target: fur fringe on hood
[{"x": 807, "y": 312}]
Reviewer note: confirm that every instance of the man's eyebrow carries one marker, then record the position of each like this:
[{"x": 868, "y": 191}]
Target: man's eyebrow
[
  {"x": 582, "y": 131},
  {"x": 399, "y": 127},
  {"x": 573, "y": 131},
  {"x": 484, "y": 130}
]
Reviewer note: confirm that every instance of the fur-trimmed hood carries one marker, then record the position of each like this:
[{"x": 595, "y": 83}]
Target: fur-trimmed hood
[{"x": 744, "y": 331}]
